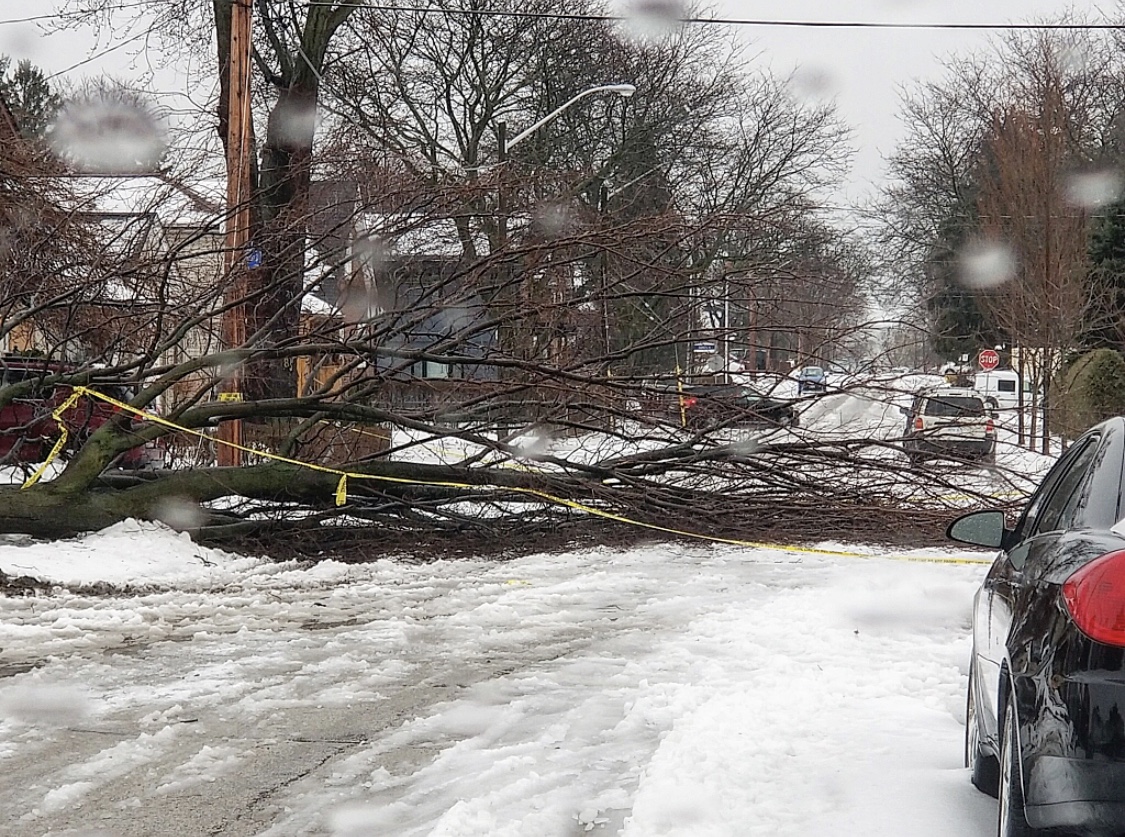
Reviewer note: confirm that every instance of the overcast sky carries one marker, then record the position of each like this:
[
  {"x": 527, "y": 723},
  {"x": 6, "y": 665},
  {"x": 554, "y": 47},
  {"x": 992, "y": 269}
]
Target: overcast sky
[{"x": 862, "y": 69}]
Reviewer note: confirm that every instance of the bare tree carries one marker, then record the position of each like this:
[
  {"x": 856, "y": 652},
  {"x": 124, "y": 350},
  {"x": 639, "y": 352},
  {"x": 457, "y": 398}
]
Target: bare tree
[
  {"x": 401, "y": 273},
  {"x": 1045, "y": 304},
  {"x": 993, "y": 153}
]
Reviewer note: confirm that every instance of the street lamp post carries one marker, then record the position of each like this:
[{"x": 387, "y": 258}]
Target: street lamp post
[
  {"x": 505, "y": 145},
  {"x": 625, "y": 90}
]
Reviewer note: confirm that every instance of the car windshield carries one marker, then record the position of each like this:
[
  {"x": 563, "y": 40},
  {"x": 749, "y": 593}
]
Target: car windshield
[{"x": 955, "y": 406}]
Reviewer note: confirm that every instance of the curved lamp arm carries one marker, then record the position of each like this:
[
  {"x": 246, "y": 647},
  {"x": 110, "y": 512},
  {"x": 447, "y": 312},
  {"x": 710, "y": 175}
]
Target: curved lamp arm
[{"x": 625, "y": 90}]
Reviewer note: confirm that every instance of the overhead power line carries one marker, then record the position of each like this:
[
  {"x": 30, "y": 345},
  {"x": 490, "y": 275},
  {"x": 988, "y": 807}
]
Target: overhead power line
[{"x": 719, "y": 21}]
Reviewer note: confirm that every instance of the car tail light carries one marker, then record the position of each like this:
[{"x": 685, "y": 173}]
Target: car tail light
[
  {"x": 919, "y": 424},
  {"x": 1095, "y": 598},
  {"x": 989, "y": 427},
  {"x": 690, "y": 401}
]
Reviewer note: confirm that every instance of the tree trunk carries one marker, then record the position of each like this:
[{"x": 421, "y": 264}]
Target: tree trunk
[{"x": 66, "y": 507}]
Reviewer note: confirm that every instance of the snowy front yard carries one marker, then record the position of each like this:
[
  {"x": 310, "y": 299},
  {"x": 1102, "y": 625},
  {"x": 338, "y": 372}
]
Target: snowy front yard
[{"x": 665, "y": 690}]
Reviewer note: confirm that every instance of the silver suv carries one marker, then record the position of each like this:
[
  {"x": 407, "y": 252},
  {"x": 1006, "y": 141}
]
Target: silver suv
[{"x": 949, "y": 422}]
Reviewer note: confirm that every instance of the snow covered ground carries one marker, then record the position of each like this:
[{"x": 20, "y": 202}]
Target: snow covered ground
[
  {"x": 710, "y": 691},
  {"x": 668, "y": 690}
]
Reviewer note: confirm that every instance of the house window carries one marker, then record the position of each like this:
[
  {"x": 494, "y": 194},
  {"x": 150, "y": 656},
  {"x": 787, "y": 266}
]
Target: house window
[{"x": 432, "y": 369}]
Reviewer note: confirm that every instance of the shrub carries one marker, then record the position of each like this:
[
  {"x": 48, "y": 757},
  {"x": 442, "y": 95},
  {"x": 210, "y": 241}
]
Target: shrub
[{"x": 1091, "y": 389}]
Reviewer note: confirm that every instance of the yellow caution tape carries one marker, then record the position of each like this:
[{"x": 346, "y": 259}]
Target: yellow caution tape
[
  {"x": 342, "y": 491},
  {"x": 63, "y": 435}
]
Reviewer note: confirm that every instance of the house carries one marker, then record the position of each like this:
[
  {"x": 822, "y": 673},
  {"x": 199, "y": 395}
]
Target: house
[
  {"x": 142, "y": 246},
  {"x": 422, "y": 297}
]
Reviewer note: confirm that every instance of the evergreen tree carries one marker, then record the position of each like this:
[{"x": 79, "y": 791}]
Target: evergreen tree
[
  {"x": 28, "y": 94},
  {"x": 1107, "y": 274},
  {"x": 959, "y": 324}
]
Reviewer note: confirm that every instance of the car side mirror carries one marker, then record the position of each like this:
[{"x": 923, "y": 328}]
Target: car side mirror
[
  {"x": 904, "y": 410},
  {"x": 979, "y": 528}
]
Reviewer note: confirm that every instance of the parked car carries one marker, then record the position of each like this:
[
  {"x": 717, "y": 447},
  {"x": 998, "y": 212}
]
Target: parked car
[
  {"x": 949, "y": 422},
  {"x": 1045, "y": 705},
  {"x": 811, "y": 379},
  {"x": 1002, "y": 387},
  {"x": 709, "y": 407},
  {"x": 27, "y": 429}
]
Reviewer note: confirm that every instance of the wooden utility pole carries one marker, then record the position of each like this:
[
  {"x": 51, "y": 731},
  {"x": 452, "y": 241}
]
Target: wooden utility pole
[{"x": 238, "y": 220}]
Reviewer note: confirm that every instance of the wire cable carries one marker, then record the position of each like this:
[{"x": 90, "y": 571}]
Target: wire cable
[{"x": 717, "y": 21}]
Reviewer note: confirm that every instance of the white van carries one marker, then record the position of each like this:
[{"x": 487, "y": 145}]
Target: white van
[{"x": 1001, "y": 385}]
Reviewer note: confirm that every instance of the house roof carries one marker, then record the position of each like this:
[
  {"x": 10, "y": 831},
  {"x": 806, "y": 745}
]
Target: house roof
[
  {"x": 407, "y": 234},
  {"x": 171, "y": 202}
]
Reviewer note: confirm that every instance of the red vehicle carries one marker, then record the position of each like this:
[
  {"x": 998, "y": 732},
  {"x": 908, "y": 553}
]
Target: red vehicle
[{"x": 27, "y": 429}]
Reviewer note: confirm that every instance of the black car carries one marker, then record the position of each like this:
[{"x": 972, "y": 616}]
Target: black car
[
  {"x": 1045, "y": 710},
  {"x": 710, "y": 407}
]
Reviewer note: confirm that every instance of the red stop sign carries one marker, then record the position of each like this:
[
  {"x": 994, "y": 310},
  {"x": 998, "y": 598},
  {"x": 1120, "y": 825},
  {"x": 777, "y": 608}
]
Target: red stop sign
[{"x": 988, "y": 359}]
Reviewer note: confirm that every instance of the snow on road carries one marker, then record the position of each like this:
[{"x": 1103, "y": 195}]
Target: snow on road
[
  {"x": 711, "y": 691},
  {"x": 666, "y": 691}
]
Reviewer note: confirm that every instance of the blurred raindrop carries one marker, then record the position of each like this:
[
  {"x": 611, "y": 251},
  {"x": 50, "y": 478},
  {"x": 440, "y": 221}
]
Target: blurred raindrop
[
  {"x": 813, "y": 83},
  {"x": 553, "y": 220},
  {"x": 358, "y": 820},
  {"x": 359, "y": 299},
  {"x": 44, "y": 705},
  {"x": 748, "y": 446},
  {"x": 986, "y": 264},
  {"x": 1093, "y": 189},
  {"x": 108, "y": 135},
  {"x": 653, "y": 19},
  {"x": 230, "y": 369},
  {"x": 371, "y": 253},
  {"x": 180, "y": 513},
  {"x": 1074, "y": 60},
  {"x": 295, "y": 123},
  {"x": 22, "y": 218}
]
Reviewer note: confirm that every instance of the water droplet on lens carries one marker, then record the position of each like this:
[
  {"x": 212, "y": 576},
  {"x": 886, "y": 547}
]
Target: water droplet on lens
[
  {"x": 180, "y": 513},
  {"x": 44, "y": 705},
  {"x": 986, "y": 264},
  {"x": 295, "y": 124},
  {"x": 1093, "y": 189},
  {"x": 653, "y": 19},
  {"x": 553, "y": 219},
  {"x": 814, "y": 83},
  {"x": 108, "y": 135}
]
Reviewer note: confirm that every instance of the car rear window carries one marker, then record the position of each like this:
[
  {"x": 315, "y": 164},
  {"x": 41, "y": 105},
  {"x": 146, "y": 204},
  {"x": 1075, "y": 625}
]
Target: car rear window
[
  {"x": 955, "y": 406},
  {"x": 10, "y": 376}
]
